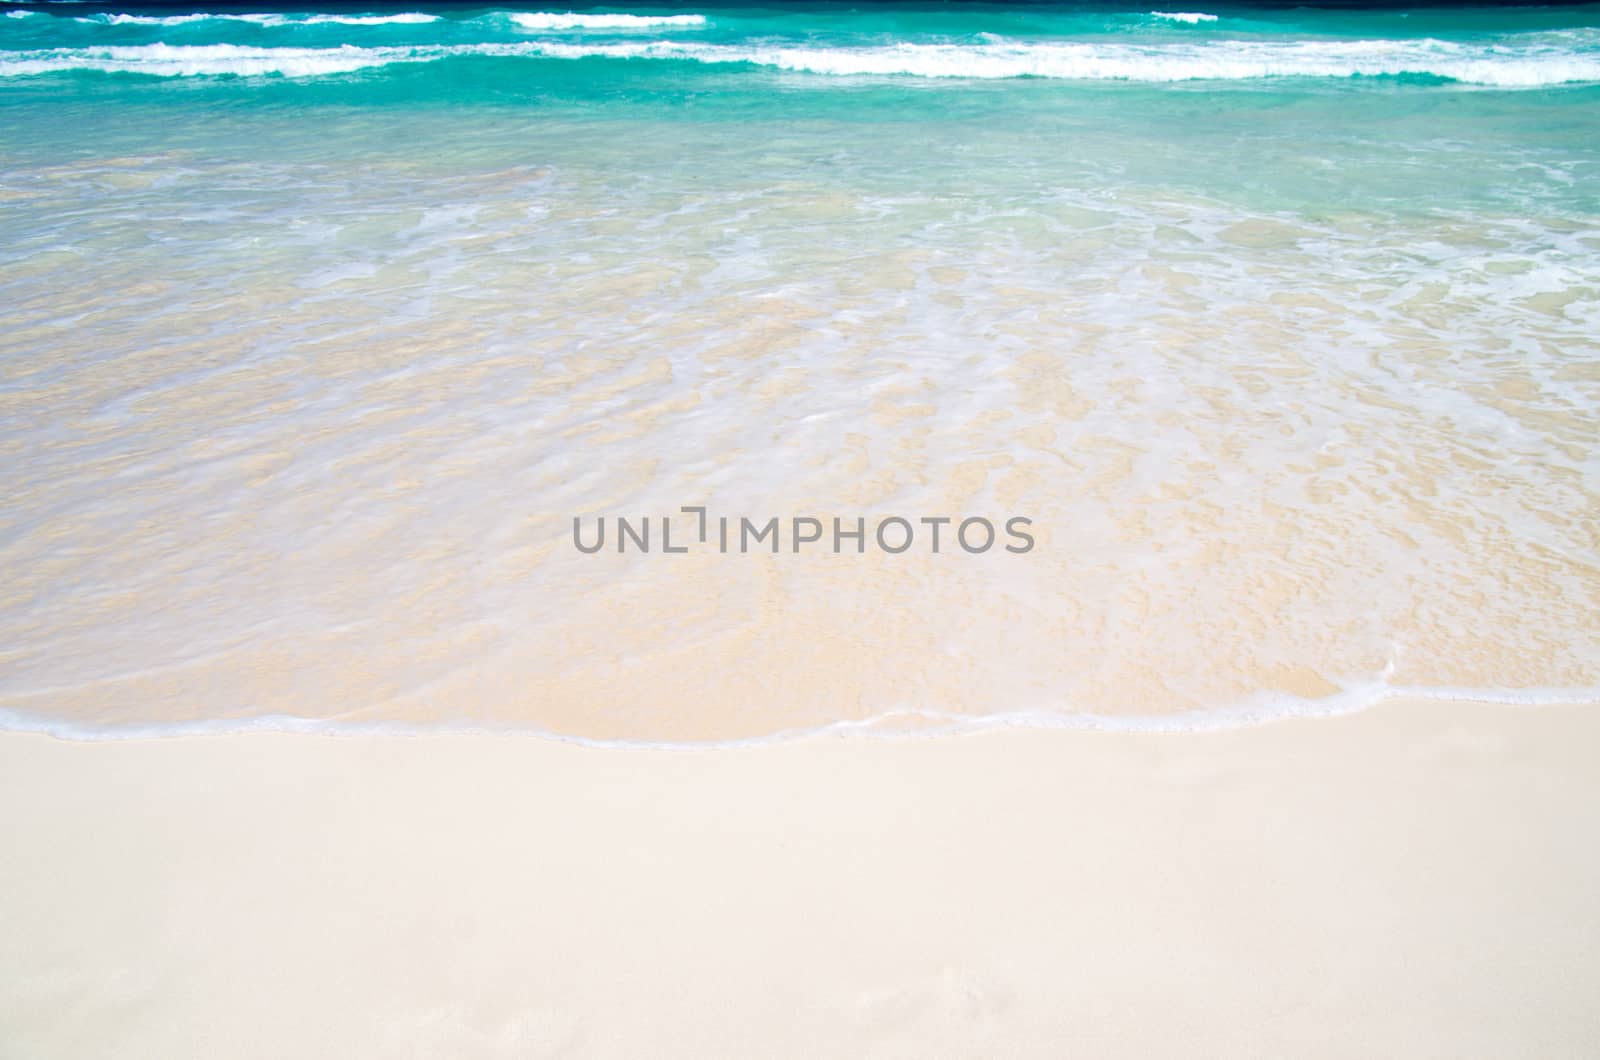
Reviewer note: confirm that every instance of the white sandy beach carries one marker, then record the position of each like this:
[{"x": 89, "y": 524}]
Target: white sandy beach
[
  {"x": 1417, "y": 880},
  {"x": 800, "y": 531}
]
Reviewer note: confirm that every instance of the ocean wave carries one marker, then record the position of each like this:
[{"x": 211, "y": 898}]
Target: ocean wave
[
  {"x": 1220, "y": 61},
  {"x": 895, "y": 724},
  {"x": 170, "y": 60},
  {"x": 1492, "y": 65},
  {"x": 546, "y": 20},
  {"x": 160, "y": 20},
  {"x": 409, "y": 18},
  {"x": 1191, "y": 17},
  {"x": 404, "y": 19}
]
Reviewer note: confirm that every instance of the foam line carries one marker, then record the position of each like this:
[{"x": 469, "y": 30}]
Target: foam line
[
  {"x": 1498, "y": 66},
  {"x": 1260, "y": 710},
  {"x": 1189, "y": 17}
]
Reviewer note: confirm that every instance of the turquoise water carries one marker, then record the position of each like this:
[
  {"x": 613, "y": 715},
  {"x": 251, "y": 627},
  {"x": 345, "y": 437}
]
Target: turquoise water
[
  {"x": 318, "y": 327},
  {"x": 1282, "y": 108}
]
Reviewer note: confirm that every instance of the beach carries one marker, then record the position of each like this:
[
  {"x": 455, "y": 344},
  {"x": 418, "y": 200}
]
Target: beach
[
  {"x": 813, "y": 531},
  {"x": 1413, "y": 880}
]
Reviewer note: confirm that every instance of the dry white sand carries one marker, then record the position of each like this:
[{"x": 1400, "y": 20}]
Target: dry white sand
[{"x": 1419, "y": 880}]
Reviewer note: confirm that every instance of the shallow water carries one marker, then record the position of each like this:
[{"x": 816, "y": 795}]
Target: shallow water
[{"x": 305, "y": 374}]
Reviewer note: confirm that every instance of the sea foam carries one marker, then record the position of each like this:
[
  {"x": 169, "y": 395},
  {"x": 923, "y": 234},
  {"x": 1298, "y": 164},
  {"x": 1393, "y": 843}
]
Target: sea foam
[
  {"x": 1493, "y": 65},
  {"x": 545, "y": 20},
  {"x": 892, "y": 724},
  {"x": 1191, "y": 17},
  {"x": 411, "y": 18},
  {"x": 170, "y": 60}
]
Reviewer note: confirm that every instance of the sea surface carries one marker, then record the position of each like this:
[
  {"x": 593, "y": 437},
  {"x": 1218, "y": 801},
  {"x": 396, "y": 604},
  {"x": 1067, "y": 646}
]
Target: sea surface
[{"x": 320, "y": 327}]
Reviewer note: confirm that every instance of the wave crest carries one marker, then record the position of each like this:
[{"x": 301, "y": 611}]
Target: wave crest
[
  {"x": 546, "y": 20},
  {"x": 1492, "y": 65},
  {"x": 409, "y": 18}
]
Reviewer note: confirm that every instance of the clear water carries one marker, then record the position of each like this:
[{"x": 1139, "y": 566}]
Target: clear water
[{"x": 318, "y": 328}]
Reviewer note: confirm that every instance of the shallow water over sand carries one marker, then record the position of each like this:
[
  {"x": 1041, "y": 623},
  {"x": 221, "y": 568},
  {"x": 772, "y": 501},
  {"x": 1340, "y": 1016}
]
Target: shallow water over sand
[{"x": 298, "y": 403}]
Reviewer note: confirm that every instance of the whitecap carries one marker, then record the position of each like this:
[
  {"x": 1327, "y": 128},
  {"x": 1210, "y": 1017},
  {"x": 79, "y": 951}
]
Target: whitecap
[
  {"x": 1494, "y": 64},
  {"x": 1190, "y": 17},
  {"x": 550, "y": 21},
  {"x": 406, "y": 18}
]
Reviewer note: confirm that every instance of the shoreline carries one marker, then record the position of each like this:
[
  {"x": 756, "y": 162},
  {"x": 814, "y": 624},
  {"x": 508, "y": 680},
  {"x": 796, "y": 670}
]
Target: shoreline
[
  {"x": 903, "y": 723},
  {"x": 1410, "y": 880}
]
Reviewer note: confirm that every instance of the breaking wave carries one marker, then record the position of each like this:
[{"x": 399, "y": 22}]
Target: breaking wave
[{"x": 1494, "y": 65}]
